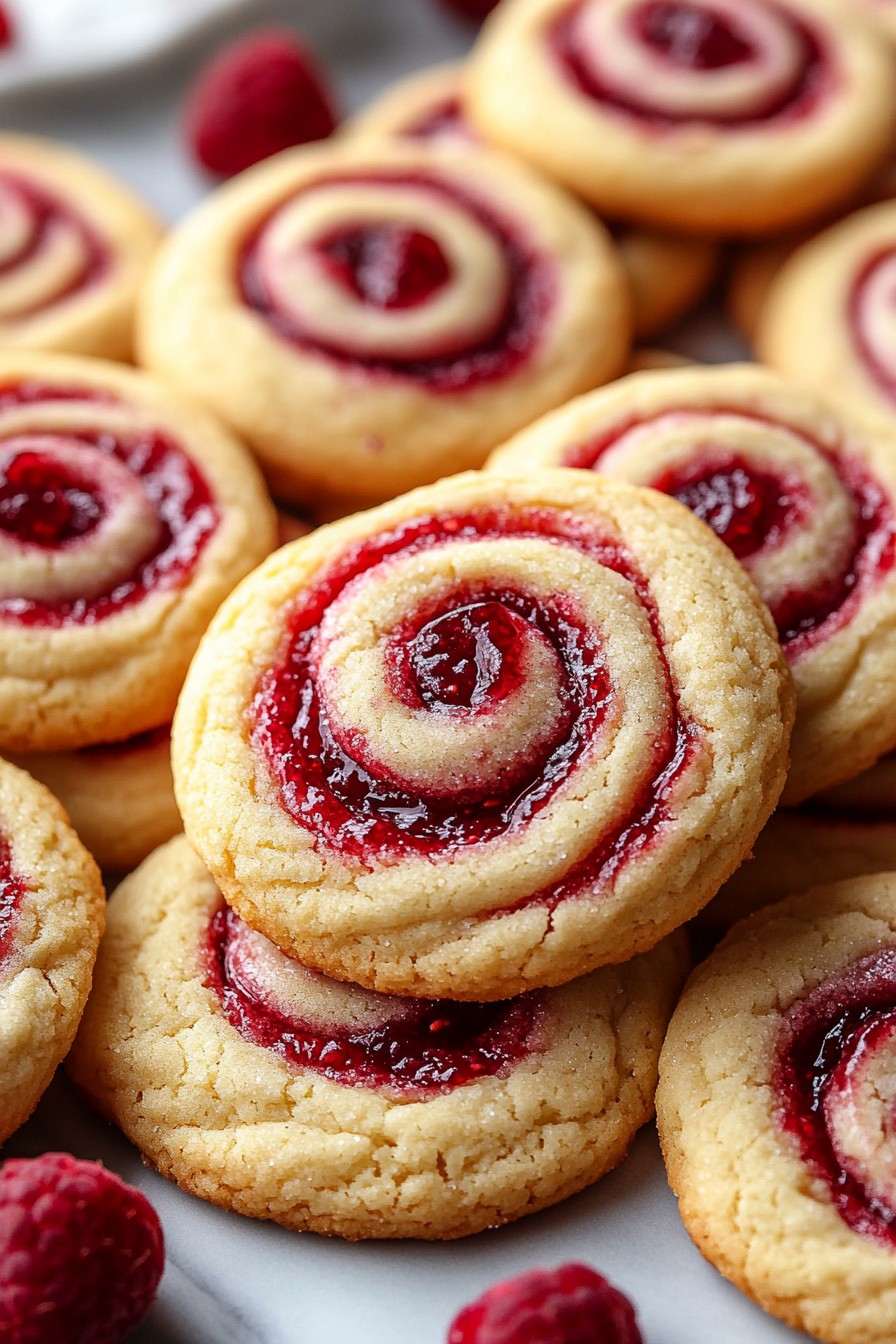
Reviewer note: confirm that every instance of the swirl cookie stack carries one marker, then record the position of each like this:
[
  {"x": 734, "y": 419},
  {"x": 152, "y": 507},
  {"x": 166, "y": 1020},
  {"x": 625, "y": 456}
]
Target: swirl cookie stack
[
  {"x": 448, "y": 764},
  {"x": 372, "y": 316},
  {"x": 126, "y": 516}
]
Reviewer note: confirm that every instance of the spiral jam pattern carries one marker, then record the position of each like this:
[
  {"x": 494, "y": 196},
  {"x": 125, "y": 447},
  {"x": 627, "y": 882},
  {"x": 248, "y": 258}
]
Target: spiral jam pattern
[
  {"x": 813, "y": 527},
  {"x": 872, "y": 316},
  {"x": 732, "y": 62},
  {"x": 835, "y": 1082},
  {"x": 12, "y": 889},
  {"x": 97, "y": 508},
  {"x": 403, "y": 274},
  {"x": 47, "y": 252},
  {"x": 355, "y": 1036},
  {"x": 450, "y": 682}
]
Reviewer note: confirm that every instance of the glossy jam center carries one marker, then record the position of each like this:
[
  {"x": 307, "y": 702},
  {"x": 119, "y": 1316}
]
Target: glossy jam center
[
  {"x": 818, "y": 1035},
  {"x": 430, "y": 1046},
  {"x": 746, "y": 508},
  {"x": 388, "y": 265},
  {"x": 42, "y": 504},
  {"x": 690, "y": 36},
  {"x": 467, "y": 658},
  {"x": 12, "y": 889}
]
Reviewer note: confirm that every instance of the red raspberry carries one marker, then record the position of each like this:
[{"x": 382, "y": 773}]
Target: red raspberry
[
  {"x": 474, "y": 10},
  {"x": 569, "y": 1305},
  {"x": 259, "y": 95},
  {"x": 81, "y": 1253}
]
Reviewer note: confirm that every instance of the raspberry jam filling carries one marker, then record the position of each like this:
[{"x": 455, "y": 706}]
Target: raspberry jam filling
[
  {"x": 411, "y": 1046},
  {"x": 12, "y": 889},
  {"x": 872, "y": 319},
  {"x": 752, "y": 510},
  {"x": 50, "y": 506},
  {"x": 38, "y": 230},
  {"x": 387, "y": 265},
  {"x": 697, "y": 39},
  {"x": 394, "y": 267},
  {"x": 827, "y": 1049},
  {"x": 337, "y": 796},
  {"x": 690, "y": 35},
  {"x": 445, "y": 121}
]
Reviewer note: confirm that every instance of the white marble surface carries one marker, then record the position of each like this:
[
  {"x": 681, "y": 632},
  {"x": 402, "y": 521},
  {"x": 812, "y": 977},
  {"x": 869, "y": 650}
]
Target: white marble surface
[{"x": 229, "y": 1280}]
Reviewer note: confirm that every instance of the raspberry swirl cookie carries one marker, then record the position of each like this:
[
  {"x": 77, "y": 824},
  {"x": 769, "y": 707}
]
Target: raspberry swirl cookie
[
  {"x": 718, "y": 116},
  {"x": 829, "y": 318},
  {"x": 776, "y": 1105},
  {"x": 371, "y": 317},
  {"x": 52, "y": 914},
  {"x": 119, "y": 796},
  {"x": 272, "y": 1090},
  {"x": 485, "y": 738},
  {"x": 126, "y": 516},
  {"x": 74, "y": 247},
  {"x": 667, "y": 272},
  {"x": 806, "y": 500}
]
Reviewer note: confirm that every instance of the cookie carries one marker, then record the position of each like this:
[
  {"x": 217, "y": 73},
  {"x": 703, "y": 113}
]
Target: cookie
[
  {"x": 667, "y": 272},
  {"x": 828, "y": 320},
  {"x": 371, "y": 317},
  {"x": 74, "y": 247},
  {"x": 271, "y": 1090},
  {"x": 775, "y": 1105},
  {"x": 804, "y": 495},
  {"x": 52, "y": 914},
  {"x": 119, "y": 796},
  {"x": 126, "y": 515},
  {"x": 882, "y": 13},
  {"x": 736, "y": 117},
  {"x": 799, "y": 849},
  {"x": 484, "y": 738}
]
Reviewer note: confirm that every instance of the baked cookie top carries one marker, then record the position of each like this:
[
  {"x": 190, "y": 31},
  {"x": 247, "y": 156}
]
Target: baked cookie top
[
  {"x": 828, "y": 316},
  {"x": 486, "y": 737},
  {"x": 722, "y": 116},
  {"x": 267, "y": 1088},
  {"x": 52, "y": 914},
  {"x": 804, "y": 495},
  {"x": 775, "y": 1109},
  {"x": 74, "y": 246},
  {"x": 126, "y": 515},
  {"x": 370, "y": 316}
]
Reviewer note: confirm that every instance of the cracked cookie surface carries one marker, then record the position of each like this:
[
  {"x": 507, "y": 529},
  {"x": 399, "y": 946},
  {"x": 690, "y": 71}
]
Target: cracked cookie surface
[{"x": 166, "y": 1053}]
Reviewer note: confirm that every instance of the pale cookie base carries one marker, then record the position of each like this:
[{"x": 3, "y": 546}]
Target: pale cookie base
[
  {"x": 78, "y": 684},
  {"x": 804, "y": 328},
  {"x": 46, "y": 977},
  {"x": 120, "y": 800},
  {"x": 798, "y": 850},
  {"x": 696, "y": 176},
  {"x": 99, "y": 318},
  {"x": 747, "y": 1199},
  {"x": 845, "y": 687},
  {"x": 461, "y": 926},
  {"x": 230, "y": 1122},
  {"x": 328, "y": 431}
]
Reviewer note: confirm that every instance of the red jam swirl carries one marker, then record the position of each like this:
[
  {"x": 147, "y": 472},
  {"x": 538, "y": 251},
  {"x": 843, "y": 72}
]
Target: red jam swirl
[
  {"x": 433, "y": 1045},
  {"x": 40, "y": 507},
  {"x": 344, "y": 804},
  {"x": 752, "y": 512},
  {"x": 445, "y": 121},
  {"x": 878, "y": 356},
  {"x": 693, "y": 38},
  {"x": 512, "y": 342},
  {"x": 819, "y": 1035},
  {"x": 387, "y": 265},
  {"x": 47, "y": 213},
  {"x": 12, "y": 890}
]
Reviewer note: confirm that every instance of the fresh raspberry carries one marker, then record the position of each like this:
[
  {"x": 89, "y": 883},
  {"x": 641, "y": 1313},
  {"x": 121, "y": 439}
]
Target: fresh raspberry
[
  {"x": 474, "y": 10},
  {"x": 81, "y": 1253},
  {"x": 569, "y": 1305},
  {"x": 259, "y": 95},
  {"x": 7, "y": 29}
]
